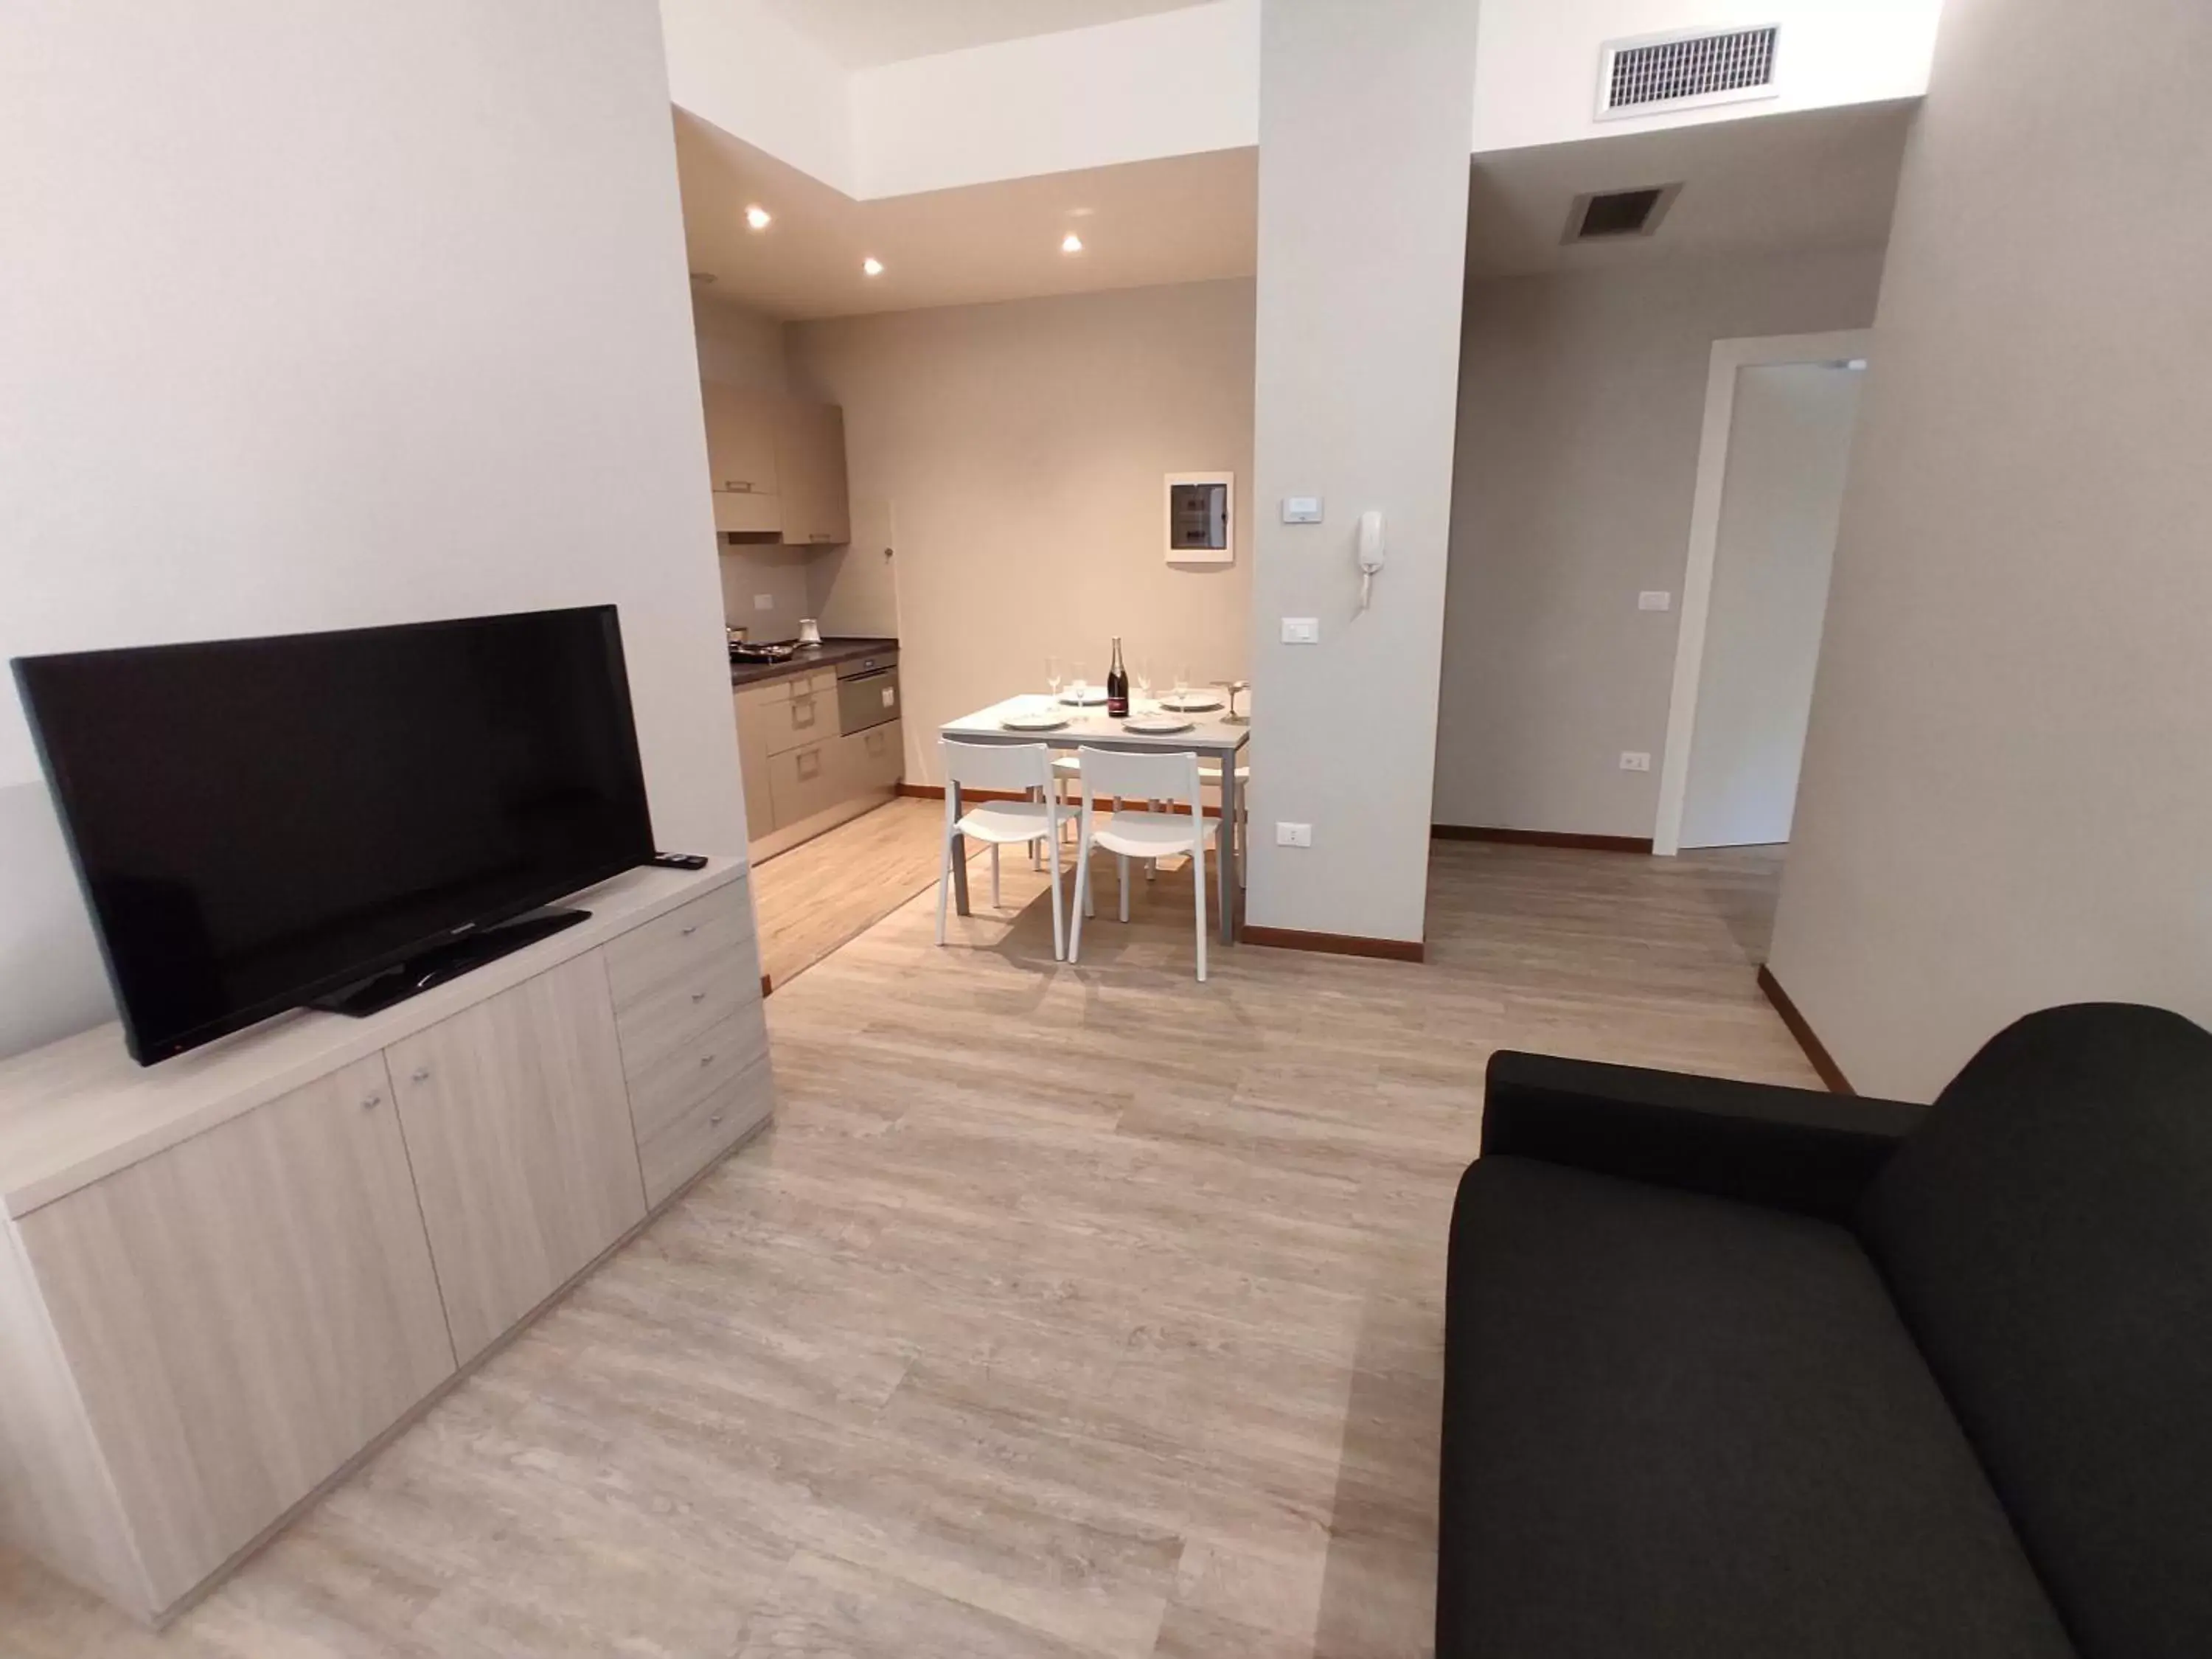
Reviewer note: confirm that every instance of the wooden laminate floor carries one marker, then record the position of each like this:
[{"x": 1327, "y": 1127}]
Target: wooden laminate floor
[{"x": 1064, "y": 1311}]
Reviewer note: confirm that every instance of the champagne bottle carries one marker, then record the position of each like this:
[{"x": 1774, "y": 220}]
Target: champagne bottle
[{"x": 1117, "y": 686}]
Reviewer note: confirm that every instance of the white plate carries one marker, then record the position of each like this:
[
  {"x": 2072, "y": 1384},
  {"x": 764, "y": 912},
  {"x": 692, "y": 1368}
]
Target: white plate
[
  {"x": 1194, "y": 702},
  {"x": 1092, "y": 696},
  {"x": 1033, "y": 722},
  {"x": 1157, "y": 725}
]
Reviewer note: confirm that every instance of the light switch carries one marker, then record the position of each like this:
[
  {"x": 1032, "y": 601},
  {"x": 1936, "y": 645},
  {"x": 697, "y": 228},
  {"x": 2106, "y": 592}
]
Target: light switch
[
  {"x": 1301, "y": 630},
  {"x": 1294, "y": 835},
  {"x": 764, "y": 601},
  {"x": 1302, "y": 510},
  {"x": 1635, "y": 760},
  {"x": 1649, "y": 601}
]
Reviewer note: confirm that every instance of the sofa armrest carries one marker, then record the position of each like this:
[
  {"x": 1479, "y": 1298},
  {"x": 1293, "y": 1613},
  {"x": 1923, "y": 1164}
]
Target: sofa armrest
[{"x": 1786, "y": 1149}]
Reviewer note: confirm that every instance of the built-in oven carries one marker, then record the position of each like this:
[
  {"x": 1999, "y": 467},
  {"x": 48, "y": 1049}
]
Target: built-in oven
[{"x": 867, "y": 692}]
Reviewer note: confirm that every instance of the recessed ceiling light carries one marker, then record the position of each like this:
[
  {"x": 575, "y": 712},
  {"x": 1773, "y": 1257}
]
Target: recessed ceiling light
[
  {"x": 871, "y": 267},
  {"x": 759, "y": 217},
  {"x": 1071, "y": 243}
]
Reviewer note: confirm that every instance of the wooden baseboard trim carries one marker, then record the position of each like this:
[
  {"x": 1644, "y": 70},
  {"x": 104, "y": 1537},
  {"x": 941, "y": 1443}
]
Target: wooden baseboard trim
[
  {"x": 765, "y": 986},
  {"x": 936, "y": 792},
  {"x": 1808, "y": 1039},
  {"x": 1542, "y": 838},
  {"x": 1335, "y": 944}
]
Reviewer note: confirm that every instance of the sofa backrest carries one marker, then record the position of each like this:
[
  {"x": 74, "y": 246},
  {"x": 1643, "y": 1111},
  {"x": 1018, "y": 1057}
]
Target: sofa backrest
[{"x": 2047, "y": 1235}]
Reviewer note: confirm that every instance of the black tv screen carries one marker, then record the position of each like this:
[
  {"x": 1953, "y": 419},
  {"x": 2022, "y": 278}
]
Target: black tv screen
[{"x": 257, "y": 823}]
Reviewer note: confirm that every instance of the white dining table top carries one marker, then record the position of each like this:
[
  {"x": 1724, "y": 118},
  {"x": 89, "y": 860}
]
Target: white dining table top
[{"x": 1209, "y": 732}]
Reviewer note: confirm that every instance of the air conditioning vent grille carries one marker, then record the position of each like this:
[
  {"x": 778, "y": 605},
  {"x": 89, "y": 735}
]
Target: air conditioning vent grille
[{"x": 1640, "y": 77}]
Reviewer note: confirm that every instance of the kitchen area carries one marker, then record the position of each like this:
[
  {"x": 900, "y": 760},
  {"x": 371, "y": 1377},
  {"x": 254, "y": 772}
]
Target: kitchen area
[{"x": 820, "y": 738}]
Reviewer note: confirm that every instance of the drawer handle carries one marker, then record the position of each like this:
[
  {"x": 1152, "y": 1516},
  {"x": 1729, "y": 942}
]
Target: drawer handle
[
  {"x": 698, "y": 996},
  {"x": 706, "y": 1060},
  {"x": 372, "y": 1103},
  {"x": 715, "y": 1121},
  {"x": 421, "y": 1074},
  {"x": 692, "y": 929}
]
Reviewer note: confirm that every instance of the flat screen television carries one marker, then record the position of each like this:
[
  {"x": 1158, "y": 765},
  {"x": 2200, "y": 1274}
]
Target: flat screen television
[{"x": 337, "y": 818}]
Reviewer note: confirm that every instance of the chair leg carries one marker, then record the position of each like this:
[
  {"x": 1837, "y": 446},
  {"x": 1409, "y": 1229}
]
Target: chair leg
[
  {"x": 1080, "y": 906},
  {"x": 1122, "y": 882},
  {"x": 1151, "y": 866},
  {"x": 943, "y": 884},
  {"x": 1198, "y": 892},
  {"x": 1059, "y": 926}
]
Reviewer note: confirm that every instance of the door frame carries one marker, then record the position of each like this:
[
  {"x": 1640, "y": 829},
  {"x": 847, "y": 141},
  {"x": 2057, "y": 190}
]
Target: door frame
[{"x": 1727, "y": 357}]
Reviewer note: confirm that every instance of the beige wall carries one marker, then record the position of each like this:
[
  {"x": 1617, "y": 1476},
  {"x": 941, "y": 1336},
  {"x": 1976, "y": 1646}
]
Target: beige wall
[
  {"x": 1582, "y": 399},
  {"x": 1364, "y": 112},
  {"x": 321, "y": 316},
  {"x": 2006, "y": 801},
  {"x": 1021, "y": 449},
  {"x": 738, "y": 346}
]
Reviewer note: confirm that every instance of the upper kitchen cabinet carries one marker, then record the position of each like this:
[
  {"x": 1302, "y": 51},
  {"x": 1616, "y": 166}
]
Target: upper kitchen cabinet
[
  {"x": 809, "y": 461},
  {"x": 741, "y": 447},
  {"x": 778, "y": 467}
]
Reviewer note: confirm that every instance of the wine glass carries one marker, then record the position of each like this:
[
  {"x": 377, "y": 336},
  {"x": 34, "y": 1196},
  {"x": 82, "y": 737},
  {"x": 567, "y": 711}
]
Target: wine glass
[
  {"x": 1141, "y": 680},
  {"x": 1077, "y": 683},
  {"x": 1181, "y": 685},
  {"x": 1052, "y": 677}
]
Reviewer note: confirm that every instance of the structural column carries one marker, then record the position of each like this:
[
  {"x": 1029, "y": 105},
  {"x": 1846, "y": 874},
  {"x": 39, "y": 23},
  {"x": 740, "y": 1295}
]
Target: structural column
[{"x": 1366, "y": 119}]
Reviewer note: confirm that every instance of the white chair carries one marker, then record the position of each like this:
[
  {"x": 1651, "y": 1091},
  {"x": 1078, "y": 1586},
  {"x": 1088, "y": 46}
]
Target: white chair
[
  {"x": 1024, "y": 766},
  {"x": 1171, "y": 778},
  {"x": 1209, "y": 771}
]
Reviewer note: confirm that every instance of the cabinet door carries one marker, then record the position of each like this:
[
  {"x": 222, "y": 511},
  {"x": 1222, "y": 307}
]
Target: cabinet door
[
  {"x": 752, "y": 763},
  {"x": 810, "y": 462},
  {"x": 804, "y": 782},
  {"x": 244, "y": 1312},
  {"x": 741, "y": 427},
  {"x": 519, "y": 1127}
]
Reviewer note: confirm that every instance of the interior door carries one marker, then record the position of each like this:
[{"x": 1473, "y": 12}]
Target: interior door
[{"x": 1788, "y": 447}]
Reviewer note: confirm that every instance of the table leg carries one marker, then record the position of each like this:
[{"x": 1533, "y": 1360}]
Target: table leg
[
  {"x": 959, "y": 850},
  {"x": 1224, "y": 860}
]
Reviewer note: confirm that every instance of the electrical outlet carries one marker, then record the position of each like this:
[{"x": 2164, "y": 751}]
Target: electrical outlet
[
  {"x": 1635, "y": 760},
  {"x": 1655, "y": 601},
  {"x": 764, "y": 601},
  {"x": 1294, "y": 835},
  {"x": 1301, "y": 630}
]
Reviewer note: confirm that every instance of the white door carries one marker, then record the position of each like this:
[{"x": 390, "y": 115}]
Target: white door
[{"x": 1789, "y": 445}]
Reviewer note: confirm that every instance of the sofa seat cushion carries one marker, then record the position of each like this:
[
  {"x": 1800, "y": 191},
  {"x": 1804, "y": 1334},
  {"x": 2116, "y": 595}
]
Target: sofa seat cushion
[{"x": 1675, "y": 1425}]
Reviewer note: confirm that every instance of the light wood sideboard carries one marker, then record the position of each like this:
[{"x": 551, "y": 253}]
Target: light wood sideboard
[{"x": 225, "y": 1279}]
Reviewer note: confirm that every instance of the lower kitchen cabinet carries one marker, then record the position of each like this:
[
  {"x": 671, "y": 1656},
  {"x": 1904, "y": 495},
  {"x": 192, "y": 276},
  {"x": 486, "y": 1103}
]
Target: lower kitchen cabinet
[
  {"x": 805, "y": 781},
  {"x": 245, "y": 1312},
  {"x": 517, "y": 1124}
]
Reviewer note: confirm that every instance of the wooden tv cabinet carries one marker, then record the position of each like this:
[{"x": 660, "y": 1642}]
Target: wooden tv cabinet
[{"x": 226, "y": 1278}]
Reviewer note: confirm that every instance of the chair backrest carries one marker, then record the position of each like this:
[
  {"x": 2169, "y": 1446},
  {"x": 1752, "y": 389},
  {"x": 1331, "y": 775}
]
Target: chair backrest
[
  {"x": 997, "y": 765},
  {"x": 1141, "y": 776},
  {"x": 2047, "y": 1235}
]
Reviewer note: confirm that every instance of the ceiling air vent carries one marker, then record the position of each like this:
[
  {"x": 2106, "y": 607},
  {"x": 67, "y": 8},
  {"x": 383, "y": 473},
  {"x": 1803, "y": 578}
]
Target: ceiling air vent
[
  {"x": 1657, "y": 73},
  {"x": 1605, "y": 215}
]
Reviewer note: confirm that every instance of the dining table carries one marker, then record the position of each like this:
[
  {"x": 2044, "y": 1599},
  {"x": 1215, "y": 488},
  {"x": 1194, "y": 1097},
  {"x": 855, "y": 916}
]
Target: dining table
[{"x": 1213, "y": 734}]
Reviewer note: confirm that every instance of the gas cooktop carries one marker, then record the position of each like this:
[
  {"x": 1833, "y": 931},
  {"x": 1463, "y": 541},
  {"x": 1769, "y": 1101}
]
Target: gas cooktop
[{"x": 762, "y": 651}]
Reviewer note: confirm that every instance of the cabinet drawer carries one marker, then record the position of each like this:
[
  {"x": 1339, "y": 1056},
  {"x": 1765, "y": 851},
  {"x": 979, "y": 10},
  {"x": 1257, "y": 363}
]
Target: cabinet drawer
[
  {"x": 663, "y": 1090},
  {"x": 805, "y": 781},
  {"x": 805, "y": 717},
  {"x": 694, "y": 1137},
  {"x": 682, "y": 951},
  {"x": 882, "y": 755}
]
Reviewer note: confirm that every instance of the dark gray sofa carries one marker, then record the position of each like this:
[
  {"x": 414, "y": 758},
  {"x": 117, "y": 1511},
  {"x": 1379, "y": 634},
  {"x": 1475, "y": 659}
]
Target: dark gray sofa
[{"x": 1738, "y": 1370}]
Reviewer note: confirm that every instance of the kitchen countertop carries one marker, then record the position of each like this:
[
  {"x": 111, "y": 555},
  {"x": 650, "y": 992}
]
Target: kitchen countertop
[{"x": 807, "y": 658}]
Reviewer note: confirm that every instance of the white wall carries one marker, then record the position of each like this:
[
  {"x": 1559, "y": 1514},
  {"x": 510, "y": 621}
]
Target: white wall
[
  {"x": 1173, "y": 84},
  {"x": 1363, "y": 252},
  {"x": 1536, "y": 67},
  {"x": 1789, "y": 442},
  {"x": 1021, "y": 448},
  {"x": 738, "y": 346},
  {"x": 737, "y": 64},
  {"x": 2005, "y": 801},
  {"x": 326, "y": 317},
  {"x": 1582, "y": 398}
]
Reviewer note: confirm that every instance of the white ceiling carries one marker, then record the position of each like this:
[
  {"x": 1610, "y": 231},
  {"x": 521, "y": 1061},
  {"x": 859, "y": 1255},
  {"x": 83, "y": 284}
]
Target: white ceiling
[
  {"x": 1185, "y": 218},
  {"x": 858, "y": 34},
  {"x": 1818, "y": 178}
]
